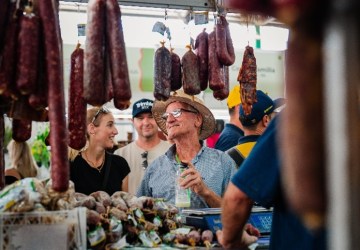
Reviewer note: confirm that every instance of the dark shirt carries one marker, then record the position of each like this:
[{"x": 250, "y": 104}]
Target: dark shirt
[
  {"x": 88, "y": 179},
  {"x": 229, "y": 137},
  {"x": 260, "y": 179},
  {"x": 10, "y": 179}
]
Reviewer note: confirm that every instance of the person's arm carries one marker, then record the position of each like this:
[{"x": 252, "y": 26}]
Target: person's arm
[
  {"x": 125, "y": 184},
  {"x": 236, "y": 209}
]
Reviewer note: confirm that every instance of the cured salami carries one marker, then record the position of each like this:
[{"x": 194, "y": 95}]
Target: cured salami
[
  {"x": 39, "y": 98},
  {"x": 48, "y": 12},
  {"x": 162, "y": 73},
  {"x": 117, "y": 53},
  {"x": 28, "y": 51},
  {"x": 223, "y": 93},
  {"x": 202, "y": 51},
  {"x": 176, "y": 73},
  {"x": 224, "y": 46},
  {"x": 8, "y": 67},
  {"x": 77, "y": 104},
  {"x": 21, "y": 129},
  {"x": 4, "y": 5},
  {"x": 94, "y": 68},
  {"x": 190, "y": 69},
  {"x": 247, "y": 78},
  {"x": 216, "y": 74},
  {"x": 304, "y": 177}
]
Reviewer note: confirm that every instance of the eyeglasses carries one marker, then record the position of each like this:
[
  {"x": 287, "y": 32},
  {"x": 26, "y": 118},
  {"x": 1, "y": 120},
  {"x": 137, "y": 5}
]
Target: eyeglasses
[
  {"x": 176, "y": 113},
  {"x": 103, "y": 110},
  {"x": 145, "y": 162}
]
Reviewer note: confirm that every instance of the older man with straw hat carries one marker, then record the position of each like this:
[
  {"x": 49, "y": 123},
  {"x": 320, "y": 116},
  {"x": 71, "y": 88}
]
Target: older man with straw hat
[{"x": 187, "y": 121}]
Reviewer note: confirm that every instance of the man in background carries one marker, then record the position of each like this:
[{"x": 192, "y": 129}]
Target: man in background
[
  {"x": 232, "y": 132},
  {"x": 254, "y": 125},
  {"x": 148, "y": 145}
]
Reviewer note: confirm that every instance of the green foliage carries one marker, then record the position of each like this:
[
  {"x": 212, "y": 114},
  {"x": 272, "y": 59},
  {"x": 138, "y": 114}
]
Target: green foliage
[
  {"x": 7, "y": 137},
  {"x": 39, "y": 150}
]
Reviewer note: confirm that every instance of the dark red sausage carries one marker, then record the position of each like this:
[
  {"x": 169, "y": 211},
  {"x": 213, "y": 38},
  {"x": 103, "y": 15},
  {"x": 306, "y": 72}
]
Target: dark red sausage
[
  {"x": 190, "y": 68},
  {"x": 21, "y": 129},
  {"x": 176, "y": 73},
  {"x": 202, "y": 51},
  {"x": 118, "y": 62},
  {"x": 224, "y": 46},
  {"x": 224, "y": 92},
  {"x": 216, "y": 74},
  {"x": 4, "y": 9},
  {"x": 162, "y": 73},
  {"x": 8, "y": 65},
  {"x": 2, "y": 157},
  {"x": 304, "y": 177},
  {"x": 94, "y": 69},
  {"x": 39, "y": 99},
  {"x": 28, "y": 51},
  {"x": 109, "y": 90},
  {"x": 48, "y": 12},
  {"x": 77, "y": 104}
]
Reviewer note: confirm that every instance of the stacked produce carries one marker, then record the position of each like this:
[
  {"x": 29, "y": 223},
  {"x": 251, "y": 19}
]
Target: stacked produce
[{"x": 113, "y": 221}]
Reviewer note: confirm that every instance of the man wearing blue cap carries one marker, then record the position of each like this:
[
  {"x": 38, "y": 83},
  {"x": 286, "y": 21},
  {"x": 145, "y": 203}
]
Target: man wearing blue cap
[
  {"x": 148, "y": 145},
  {"x": 254, "y": 125}
]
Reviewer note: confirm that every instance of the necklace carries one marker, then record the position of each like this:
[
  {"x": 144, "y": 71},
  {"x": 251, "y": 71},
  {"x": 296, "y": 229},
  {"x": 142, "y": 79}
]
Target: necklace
[{"x": 94, "y": 165}]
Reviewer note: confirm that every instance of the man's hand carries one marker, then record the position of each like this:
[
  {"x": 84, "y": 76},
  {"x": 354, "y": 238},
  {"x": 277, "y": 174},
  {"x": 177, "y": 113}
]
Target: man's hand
[
  {"x": 245, "y": 241},
  {"x": 193, "y": 180}
]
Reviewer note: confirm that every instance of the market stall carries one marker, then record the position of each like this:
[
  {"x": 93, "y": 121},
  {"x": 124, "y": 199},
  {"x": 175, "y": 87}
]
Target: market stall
[{"x": 31, "y": 57}]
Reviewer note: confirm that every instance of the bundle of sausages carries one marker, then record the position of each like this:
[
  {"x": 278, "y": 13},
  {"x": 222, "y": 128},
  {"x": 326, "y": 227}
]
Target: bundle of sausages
[
  {"x": 31, "y": 76},
  {"x": 106, "y": 74},
  {"x": 207, "y": 66}
]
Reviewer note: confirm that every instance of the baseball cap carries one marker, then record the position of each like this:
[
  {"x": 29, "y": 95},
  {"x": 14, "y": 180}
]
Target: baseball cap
[
  {"x": 234, "y": 97},
  {"x": 263, "y": 106},
  {"x": 142, "y": 106}
]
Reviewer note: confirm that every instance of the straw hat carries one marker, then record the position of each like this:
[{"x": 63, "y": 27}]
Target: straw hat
[{"x": 208, "y": 125}]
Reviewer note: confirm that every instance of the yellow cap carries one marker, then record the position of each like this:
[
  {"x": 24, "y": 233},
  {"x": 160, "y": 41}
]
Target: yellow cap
[{"x": 234, "y": 97}]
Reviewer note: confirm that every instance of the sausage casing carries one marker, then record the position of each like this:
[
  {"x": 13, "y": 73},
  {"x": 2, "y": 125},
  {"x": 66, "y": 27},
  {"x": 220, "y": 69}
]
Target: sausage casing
[
  {"x": 216, "y": 74},
  {"x": 94, "y": 68},
  {"x": 9, "y": 57},
  {"x": 248, "y": 78},
  {"x": 190, "y": 68},
  {"x": 202, "y": 51},
  {"x": 21, "y": 129},
  {"x": 28, "y": 51},
  {"x": 117, "y": 53},
  {"x": 224, "y": 45},
  {"x": 176, "y": 73},
  {"x": 49, "y": 14},
  {"x": 162, "y": 73},
  {"x": 224, "y": 92},
  {"x": 77, "y": 104}
]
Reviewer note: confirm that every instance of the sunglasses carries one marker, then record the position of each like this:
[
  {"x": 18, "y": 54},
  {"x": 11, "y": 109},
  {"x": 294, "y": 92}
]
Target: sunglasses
[
  {"x": 102, "y": 110},
  {"x": 145, "y": 162},
  {"x": 177, "y": 113}
]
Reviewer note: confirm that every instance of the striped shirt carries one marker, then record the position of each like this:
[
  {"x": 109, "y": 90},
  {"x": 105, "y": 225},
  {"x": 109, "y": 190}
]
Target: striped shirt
[{"x": 215, "y": 167}]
